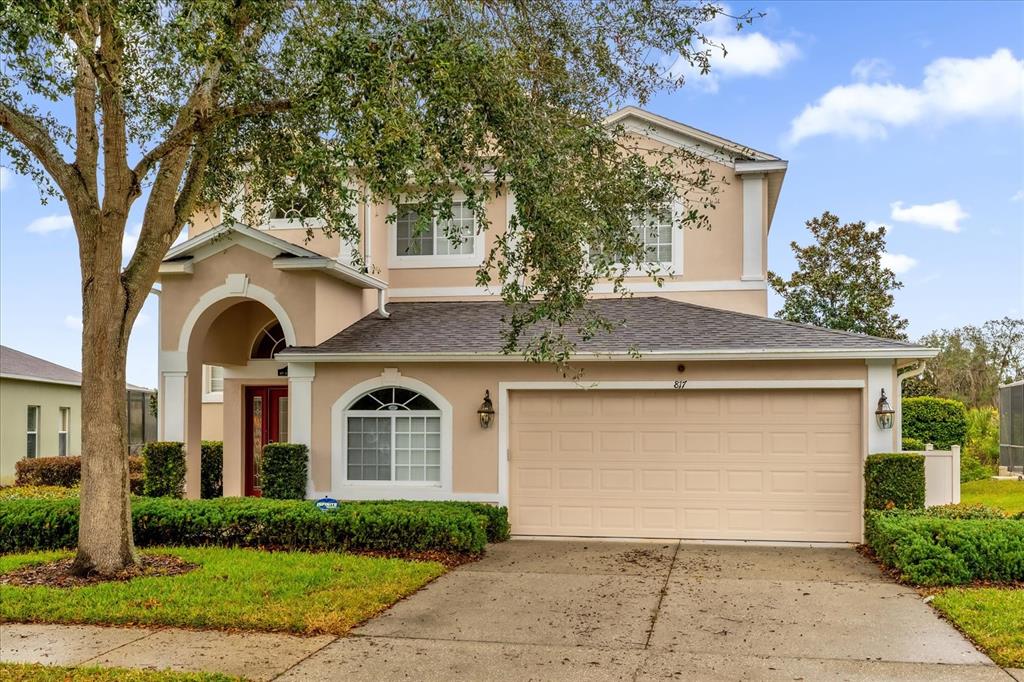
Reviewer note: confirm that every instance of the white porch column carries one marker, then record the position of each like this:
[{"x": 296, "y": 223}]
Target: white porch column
[
  {"x": 753, "y": 226},
  {"x": 300, "y": 411},
  {"x": 173, "y": 374},
  {"x": 881, "y": 375}
]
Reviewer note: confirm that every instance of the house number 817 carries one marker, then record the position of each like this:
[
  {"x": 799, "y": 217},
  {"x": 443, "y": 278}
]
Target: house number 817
[{"x": 679, "y": 384}]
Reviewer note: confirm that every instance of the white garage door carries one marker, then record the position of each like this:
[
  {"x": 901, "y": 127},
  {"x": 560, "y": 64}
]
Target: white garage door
[{"x": 741, "y": 465}]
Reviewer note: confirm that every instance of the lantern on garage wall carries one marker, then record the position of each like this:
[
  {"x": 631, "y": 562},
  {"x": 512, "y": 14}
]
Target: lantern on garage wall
[
  {"x": 884, "y": 414},
  {"x": 486, "y": 411}
]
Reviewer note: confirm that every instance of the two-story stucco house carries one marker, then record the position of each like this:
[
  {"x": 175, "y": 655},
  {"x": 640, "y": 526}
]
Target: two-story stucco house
[{"x": 730, "y": 425}]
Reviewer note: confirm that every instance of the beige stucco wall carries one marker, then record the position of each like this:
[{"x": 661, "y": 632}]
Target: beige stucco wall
[
  {"x": 213, "y": 421},
  {"x": 15, "y": 397},
  {"x": 474, "y": 450}
]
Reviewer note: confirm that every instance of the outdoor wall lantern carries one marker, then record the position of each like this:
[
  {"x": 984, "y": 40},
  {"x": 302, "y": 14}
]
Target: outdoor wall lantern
[
  {"x": 884, "y": 413},
  {"x": 486, "y": 411}
]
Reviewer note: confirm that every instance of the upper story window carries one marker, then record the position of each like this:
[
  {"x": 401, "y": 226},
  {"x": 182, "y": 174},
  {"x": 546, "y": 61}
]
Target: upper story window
[
  {"x": 442, "y": 242},
  {"x": 662, "y": 241},
  {"x": 269, "y": 341}
]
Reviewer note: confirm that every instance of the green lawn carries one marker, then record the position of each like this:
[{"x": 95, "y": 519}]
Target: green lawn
[
  {"x": 992, "y": 617},
  {"x": 1007, "y": 495},
  {"x": 241, "y": 589},
  {"x": 22, "y": 672}
]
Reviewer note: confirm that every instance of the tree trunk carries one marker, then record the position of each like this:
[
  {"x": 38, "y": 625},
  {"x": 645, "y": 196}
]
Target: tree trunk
[{"x": 105, "y": 543}]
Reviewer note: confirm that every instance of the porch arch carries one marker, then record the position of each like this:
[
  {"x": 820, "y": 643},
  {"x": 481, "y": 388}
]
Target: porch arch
[{"x": 235, "y": 286}]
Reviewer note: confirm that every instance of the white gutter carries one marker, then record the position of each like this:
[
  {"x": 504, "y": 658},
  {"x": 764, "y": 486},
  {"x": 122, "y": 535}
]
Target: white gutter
[{"x": 618, "y": 356}]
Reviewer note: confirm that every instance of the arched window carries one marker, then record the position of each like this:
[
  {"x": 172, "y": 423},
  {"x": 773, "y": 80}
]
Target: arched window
[
  {"x": 269, "y": 341},
  {"x": 393, "y": 434}
]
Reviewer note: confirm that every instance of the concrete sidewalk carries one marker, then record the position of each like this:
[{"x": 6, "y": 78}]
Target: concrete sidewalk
[{"x": 585, "y": 610}]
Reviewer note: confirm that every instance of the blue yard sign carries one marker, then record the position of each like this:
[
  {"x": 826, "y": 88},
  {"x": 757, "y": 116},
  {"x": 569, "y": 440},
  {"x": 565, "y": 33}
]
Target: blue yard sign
[{"x": 326, "y": 504}]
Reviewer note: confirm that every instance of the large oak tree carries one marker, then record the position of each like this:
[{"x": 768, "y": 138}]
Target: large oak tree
[{"x": 185, "y": 104}]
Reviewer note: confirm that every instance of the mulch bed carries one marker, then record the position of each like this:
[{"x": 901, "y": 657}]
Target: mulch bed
[{"x": 58, "y": 573}]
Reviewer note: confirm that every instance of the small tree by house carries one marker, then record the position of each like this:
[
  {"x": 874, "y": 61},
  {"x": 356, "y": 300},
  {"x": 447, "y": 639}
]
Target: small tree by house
[{"x": 840, "y": 282}]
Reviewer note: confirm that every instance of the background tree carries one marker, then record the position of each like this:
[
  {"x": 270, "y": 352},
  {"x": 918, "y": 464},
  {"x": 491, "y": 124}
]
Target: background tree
[
  {"x": 972, "y": 362},
  {"x": 840, "y": 282},
  {"x": 181, "y": 104}
]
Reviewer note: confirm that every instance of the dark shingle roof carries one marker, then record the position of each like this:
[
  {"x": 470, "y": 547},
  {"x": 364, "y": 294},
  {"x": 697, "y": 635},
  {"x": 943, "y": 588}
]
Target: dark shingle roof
[
  {"x": 648, "y": 324},
  {"x": 15, "y": 364}
]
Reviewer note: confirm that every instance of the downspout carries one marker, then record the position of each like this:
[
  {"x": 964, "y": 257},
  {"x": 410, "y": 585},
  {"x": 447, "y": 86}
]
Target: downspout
[
  {"x": 914, "y": 369},
  {"x": 367, "y": 217},
  {"x": 382, "y": 301},
  {"x": 159, "y": 370}
]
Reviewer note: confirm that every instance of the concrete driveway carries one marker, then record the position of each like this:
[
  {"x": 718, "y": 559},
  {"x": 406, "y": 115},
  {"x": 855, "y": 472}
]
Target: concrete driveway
[{"x": 545, "y": 610}]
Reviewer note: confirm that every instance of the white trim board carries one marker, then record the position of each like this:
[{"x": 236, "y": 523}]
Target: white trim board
[
  {"x": 505, "y": 387},
  {"x": 645, "y": 287}
]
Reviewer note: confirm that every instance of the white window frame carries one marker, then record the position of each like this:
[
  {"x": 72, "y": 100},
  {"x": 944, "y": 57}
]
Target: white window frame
[
  {"x": 38, "y": 424},
  {"x": 64, "y": 429},
  {"x": 343, "y": 488},
  {"x": 393, "y": 416},
  {"x": 461, "y": 260},
  {"x": 210, "y": 395},
  {"x": 674, "y": 266}
]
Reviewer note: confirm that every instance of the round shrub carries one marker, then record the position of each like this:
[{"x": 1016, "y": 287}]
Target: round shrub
[
  {"x": 283, "y": 472},
  {"x": 894, "y": 480},
  {"x": 914, "y": 444},
  {"x": 212, "y": 469},
  {"x": 939, "y": 421},
  {"x": 165, "y": 469}
]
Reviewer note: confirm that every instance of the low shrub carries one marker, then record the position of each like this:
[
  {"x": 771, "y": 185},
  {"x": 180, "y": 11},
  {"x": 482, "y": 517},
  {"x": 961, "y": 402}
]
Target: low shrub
[
  {"x": 284, "y": 470},
  {"x": 36, "y": 492},
  {"x": 211, "y": 469},
  {"x": 165, "y": 469},
  {"x": 982, "y": 437},
  {"x": 67, "y": 472},
  {"x": 494, "y": 518},
  {"x": 279, "y": 524},
  {"x": 973, "y": 470},
  {"x": 927, "y": 549},
  {"x": 965, "y": 511},
  {"x": 939, "y": 421},
  {"x": 894, "y": 480},
  {"x": 914, "y": 444}
]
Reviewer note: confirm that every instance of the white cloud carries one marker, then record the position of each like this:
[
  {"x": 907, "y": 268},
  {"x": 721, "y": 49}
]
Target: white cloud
[
  {"x": 6, "y": 177},
  {"x": 1018, "y": 195},
  {"x": 50, "y": 223},
  {"x": 952, "y": 88},
  {"x": 874, "y": 69},
  {"x": 73, "y": 322},
  {"x": 130, "y": 240},
  {"x": 945, "y": 215},
  {"x": 741, "y": 53},
  {"x": 873, "y": 225},
  {"x": 898, "y": 262}
]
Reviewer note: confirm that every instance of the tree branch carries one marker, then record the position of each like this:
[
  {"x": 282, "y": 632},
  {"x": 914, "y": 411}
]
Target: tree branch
[{"x": 32, "y": 133}]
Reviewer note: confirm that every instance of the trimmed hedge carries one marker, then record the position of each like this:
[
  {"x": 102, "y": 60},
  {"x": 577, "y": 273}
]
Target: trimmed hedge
[
  {"x": 284, "y": 470},
  {"x": 211, "y": 469},
  {"x": 66, "y": 472},
  {"x": 36, "y": 492},
  {"x": 929, "y": 550},
  {"x": 939, "y": 421},
  {"x": 965, "y": 510},
  {"x": 894, "y": 480},
  {"x": 165, "y": 469},
  {"x": 913, "y": 444},
  {"x": 401, "y": 526}
]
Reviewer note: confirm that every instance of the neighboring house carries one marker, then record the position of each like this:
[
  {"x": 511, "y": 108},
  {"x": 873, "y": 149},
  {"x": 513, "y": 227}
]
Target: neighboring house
[
  {"x": 41, "y": 411},
  {"x": 730, "y": 425}
]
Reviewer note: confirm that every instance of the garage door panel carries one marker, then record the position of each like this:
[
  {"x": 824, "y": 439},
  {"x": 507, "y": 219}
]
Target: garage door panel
[{"x": 770, "y": 465}]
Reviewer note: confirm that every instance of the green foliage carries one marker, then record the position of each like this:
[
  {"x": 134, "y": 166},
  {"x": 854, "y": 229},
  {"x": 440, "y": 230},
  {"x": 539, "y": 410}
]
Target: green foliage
[
  {"x": 973, "y": 470},
  {"x": 284, "y": 470},
  {"x": 930, "y": 550},
  {"x": 460, "y": 527},
  {"x": 67, "y": 472},
  {"x": 972, "y": 362},
  {"x": 914, "y": 444},
  {"x": 965, "y": 511},
  {"x": 36, "y": 492},
  {"x": 35, "y": 672},
  {"x": 991, "y": 617},
  {"x": 165, "y": 469},
  {"x": 982, "y": 438},
  {"x": 212, "y": 469},
  {"x": 894, "y": 480},
  {"x": 840, "y": 282},
  {"x": 939, "y": 421}
]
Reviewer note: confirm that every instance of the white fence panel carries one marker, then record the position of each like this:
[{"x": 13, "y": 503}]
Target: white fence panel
[{"x": 942, "y": 476}]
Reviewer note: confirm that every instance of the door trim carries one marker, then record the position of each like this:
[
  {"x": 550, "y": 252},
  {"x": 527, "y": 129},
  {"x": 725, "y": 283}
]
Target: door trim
[{"x": 504, "y": 387}]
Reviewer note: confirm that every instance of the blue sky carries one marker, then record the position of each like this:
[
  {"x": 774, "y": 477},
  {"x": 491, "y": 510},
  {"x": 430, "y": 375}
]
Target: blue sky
[{"x": 908, "y": 115}]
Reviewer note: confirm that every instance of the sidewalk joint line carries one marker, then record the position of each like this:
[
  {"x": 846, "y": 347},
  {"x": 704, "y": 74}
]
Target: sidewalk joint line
[
  {"x": 307, "y": 657},
  {"x": 149, "y": 633}
]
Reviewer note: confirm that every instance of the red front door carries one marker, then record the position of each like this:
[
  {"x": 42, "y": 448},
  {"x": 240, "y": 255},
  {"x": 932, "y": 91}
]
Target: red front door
[{"x": 266, "y": 421}]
